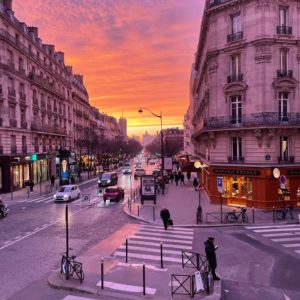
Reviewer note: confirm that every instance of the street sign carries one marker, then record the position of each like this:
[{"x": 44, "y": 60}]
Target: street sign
[
  {"x": 220, "y": 184},
  {"x": 85, "y": 198},
  {"x": 282, "y": 181},
  {"x": 198, "y": 281}
]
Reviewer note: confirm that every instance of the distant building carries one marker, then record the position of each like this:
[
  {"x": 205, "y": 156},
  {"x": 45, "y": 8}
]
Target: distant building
[
  {"x": 136, "y": 137},
  {"x": 123, "y": 126},
  {"x": 148, "y": 138}
]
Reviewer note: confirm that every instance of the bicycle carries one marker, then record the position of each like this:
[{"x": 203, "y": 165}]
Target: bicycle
[
  {"x": 235, "y": 216},
  {"x": 282, "y": 213},
  {"x": 72, "y": 266}
]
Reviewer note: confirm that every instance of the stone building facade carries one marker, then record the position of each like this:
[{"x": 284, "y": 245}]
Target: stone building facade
[
  {"x": 43, "y": 105},
  {"x": 245, "y": 101}
]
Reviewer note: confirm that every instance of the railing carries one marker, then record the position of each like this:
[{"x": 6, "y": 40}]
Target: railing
[
  {"x": 233, "y": 37},
  {"x": 234, "y": 159},
  {"x": 24, "y": 125},
  {"x": 49, "y": 129},
  {"x": 235, "y": 77},
  {"x": 253, "y": 120},
  {"x": 284, "y": 73},
  {"x": 212, "y": 3},
  {"x": 283, "y": 29},
  {"x": 286, "y": 160},
  {"x": 13, "y": 123}
]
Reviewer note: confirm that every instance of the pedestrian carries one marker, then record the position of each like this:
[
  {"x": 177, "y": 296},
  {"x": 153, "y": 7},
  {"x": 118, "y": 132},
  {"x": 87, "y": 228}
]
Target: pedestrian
[
  {"x": 165, "y": 215},
  {"x": 171, "y": 177},
  {"x": 182, "y": 178},
  {"x": 176, "y": 179},
  {"x": 195, "y": 183},
  {"x": 210, "y": 251},
  {"x": 188, "y": 175},
  {"x": 52, "y": 178},
  {"x": 31, "y": 185},
  {"x": 72, "y": 179}
]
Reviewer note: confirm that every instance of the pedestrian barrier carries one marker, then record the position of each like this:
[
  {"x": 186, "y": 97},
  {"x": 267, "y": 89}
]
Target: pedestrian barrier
[
  {"x": 194, "y": 260},
  {"x": 182, "y": 285},
  {"x": 215, "y": 217}
]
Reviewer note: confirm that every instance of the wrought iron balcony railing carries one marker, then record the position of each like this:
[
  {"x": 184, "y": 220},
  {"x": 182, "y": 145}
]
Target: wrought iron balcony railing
[
  {"x": 285, "y": 73},
  {"x": 212, "y": 3},
  {"x": 253, "y": 120},
  {"x": 233, "y": 37},
  {"x": 235, "y": 159},
  {"x": 24, "y": 125},
  {"x": 283, "y": 29},
  {"x": 286, "y": 159},
  {"x": 235, "y": 77}
]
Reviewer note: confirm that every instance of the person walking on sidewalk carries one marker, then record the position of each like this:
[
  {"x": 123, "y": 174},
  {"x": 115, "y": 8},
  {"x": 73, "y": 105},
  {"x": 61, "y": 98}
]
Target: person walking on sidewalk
[
  {"x": 171, "y": 177},
  {"x": 52, "y": 180},
  {"x": 31, "y": 185},
  {"x": 195, "y": 183},
  {"x": 188, "y": 175},
  {"x": 210, "y": 251},
  {"x": 165, "y": 215},
  {"x": 182, "y": 179},
  {"x": 176, "y": 178}
]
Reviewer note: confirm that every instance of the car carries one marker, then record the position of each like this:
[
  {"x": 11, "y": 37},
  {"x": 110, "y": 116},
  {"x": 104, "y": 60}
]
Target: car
[
  {"x": 109, "y": 178},
  {"x": 139, "y": 173},
  {"x": 67, "y": 193},
  {"x": 127, "y": 170},
  {"x": 138, "y": 165},
  {"x": 113, "y": 194}
]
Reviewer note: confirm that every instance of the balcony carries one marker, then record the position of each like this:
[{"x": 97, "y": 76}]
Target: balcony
[
  {"x": 212, "y": 3},
  {"x": 13, "y": 123},
  {"x": 24, "y": 125},
  {"x": 23, "y": 97},
  {"x": 24, "y": 149},
  {"x": 284, "y": 73},
  {"x": 11, "y": 64},
  {"x": 235, "y": 77},
  {"x": 283, "y": 29},
  {"x": 13, "y": 149},
  {"x": 1, "y": 149},
  {"x": 286, "y": 159},
  {"x": 22, "y": 71},
  {"x": 48, "y": 129},
  {"x": 265, "y": 119},
  {"x": 235, "y": 159},
  {"x": 11, "y": 93},
  {"x": 234, "y": 37}
]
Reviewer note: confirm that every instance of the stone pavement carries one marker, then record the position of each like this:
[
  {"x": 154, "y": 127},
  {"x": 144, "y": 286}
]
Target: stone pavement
[{"x": 124, "y": 280}]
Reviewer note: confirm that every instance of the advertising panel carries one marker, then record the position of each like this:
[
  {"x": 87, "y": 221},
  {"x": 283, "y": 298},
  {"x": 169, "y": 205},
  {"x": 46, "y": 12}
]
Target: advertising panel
[
  {"x": 168, "y": 163},
  {"x": 148, "y": 185}
]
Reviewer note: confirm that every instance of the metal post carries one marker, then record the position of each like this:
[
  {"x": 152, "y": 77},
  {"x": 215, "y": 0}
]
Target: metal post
[
  {"x": 28, "y": 192},
  {"x": 161, "y": 255},
  {"x": 130, "y": 186},
  {"x": 102, "y": 274},
  {"x": 273, "y": 214},
  {"x": 162, "y": 156},
  {"x": 199, "y": 197},
  {"x": 130, "y": 207},
  {"x": 253, "y": 215},
  {"x": 40, "y": 185},
  {"x": 126, "y": 251},
  {"x": 144, "y": 279},
  {"x": 138, "y": 210},
  {"x": 153, "y": 213},
  {"x": 67, "y": 242},
  {"x": 221, "y": 207},
  {"x": 198, "y": 262}
]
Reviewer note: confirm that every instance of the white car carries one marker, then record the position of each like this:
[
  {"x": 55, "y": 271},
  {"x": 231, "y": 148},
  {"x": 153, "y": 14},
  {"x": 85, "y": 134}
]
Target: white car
[
  {"x": 139, "y": 173},
  {"x": 67, "y": 193},
  {"x": 127, "y": 170}
]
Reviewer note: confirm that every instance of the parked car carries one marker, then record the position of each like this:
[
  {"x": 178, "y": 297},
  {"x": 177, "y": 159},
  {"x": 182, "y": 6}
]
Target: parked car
[
  {"x": 127, "y": 170},
  {"x": 67, "y": 193},
  {"x": 113, "y": 194},
  {"x": 139, "y": 173},
  {"x": 109, "y": 178}
]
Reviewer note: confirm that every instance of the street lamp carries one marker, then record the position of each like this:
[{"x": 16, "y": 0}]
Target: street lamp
[
  {"x": 198, "y": 165},
  {"x": 161, "y": 142}
]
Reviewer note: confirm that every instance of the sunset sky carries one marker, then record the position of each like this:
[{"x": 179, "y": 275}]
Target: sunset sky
[{"x": 132, "y": 53}]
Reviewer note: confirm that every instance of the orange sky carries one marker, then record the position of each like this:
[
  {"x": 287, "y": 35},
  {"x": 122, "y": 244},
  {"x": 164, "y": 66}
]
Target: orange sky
[{"x": 132, "y": 53}]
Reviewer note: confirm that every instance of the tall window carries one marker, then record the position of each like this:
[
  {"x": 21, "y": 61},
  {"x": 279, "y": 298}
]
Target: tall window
[
  {"x": 283, "y": 16},
  {"x": 235, "y": 65},
  {"x": 12, "y": 112},
  {"x": 236, "y": 23},
  {"x": 236, "y": 148},
  {"x": 283, "y": 106},
  {"x": 236, "y": 109},
  {"x": 284, "y": 60},
  {"x": 284, "y": 148},
  {"x": 24, "y": 149}
]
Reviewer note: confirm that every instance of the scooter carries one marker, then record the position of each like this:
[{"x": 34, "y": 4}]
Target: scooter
[{"x": 4, "y": 211}]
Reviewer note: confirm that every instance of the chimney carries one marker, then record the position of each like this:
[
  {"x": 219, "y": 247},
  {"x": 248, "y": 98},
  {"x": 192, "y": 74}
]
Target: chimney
[
  {"x": 69, "y": 69},
  {"x": 34, "y": 31},
  {"x": 7, "y": 4},
  {"x": 60, "y": 57}
]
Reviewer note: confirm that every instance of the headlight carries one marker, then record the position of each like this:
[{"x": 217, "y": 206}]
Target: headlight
[
  {"x": 66, "y": 196},
  {"x": 54, "y": 196},
  {"x": 108, "y": 181},
  {"x": 99, "y": 181}
]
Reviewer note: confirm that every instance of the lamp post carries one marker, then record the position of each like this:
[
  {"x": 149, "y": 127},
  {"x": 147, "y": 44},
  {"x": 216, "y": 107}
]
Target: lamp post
[
  {"x": 198, "y": 165},
  {"x": 162, "y": 145}
]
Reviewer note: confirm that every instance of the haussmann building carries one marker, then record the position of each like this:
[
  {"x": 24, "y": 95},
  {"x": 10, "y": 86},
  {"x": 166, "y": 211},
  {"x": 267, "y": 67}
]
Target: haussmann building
[{"x": 246, "y": 103}]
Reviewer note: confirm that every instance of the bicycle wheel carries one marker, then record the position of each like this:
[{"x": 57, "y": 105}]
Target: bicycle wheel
[
  {"x": 230, "y": 218},
  {"x": 279, "y": 214},
  {"x": 245, "y": 217}
]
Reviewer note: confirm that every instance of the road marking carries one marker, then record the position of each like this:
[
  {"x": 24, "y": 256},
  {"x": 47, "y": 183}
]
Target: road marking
[
  {"x": 133, "y": 237},
  {"x": 24, "y": 207},
  {"x": 164, "y": 235},
  {"x": 37, "y": 228},
  {"x": 147, "y": 249},
  {"x": 17, "y": 237},
  {"x": 271, "y": 226},
  {"x": 286, "y": 239},
  {"x": 6, "y": 242},
  {"x": 277, "y": 230},
  {"x": 27, "y": 232},
  {"x": 170, "y": 231},
  {"x": 280, "y": 234},
  {"x": 160, "y": 227},
  {"x": 150, "y": 257},
  {"x": 165, "y": 245},
  {"x": 44, "y": 225},
  {"x": 291, "y": 245}
]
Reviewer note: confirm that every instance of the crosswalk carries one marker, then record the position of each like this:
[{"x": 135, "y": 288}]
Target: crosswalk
[
  {"x": 145, "y": 244},
  {"x": 288, "y": 235}
]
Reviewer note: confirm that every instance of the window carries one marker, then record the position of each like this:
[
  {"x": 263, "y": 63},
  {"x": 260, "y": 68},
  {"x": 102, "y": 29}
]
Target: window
[
  {"x": 12, "y": 112},
  {"x": 284, "y": 148},
  {"x": 235, "y": 23},
  {"x": 283, "y": 106},
  {"x": 284, "y": 60},
  {"x": 236, "y": 109},
  {"x": 235, "y": 68},
  {"x": 24, "y": 147},
  {"x": 236, "y": 148},
  {"x": 283, "y": 16}
]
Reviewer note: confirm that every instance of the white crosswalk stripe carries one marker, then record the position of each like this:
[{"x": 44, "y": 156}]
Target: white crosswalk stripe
[
  {"x": 145, "y": 244},
  {"x": 288, "y": 235}
]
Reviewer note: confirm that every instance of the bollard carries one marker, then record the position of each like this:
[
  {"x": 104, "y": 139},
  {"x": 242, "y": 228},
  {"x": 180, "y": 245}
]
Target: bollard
[
  {"x": 153, "y": 213},
  {"x": 273, "y": 215},
  {"x": 128, "y": 201},
  {"x": 144, "y": 279},
  {"x": 126, "y": 248},
  {"x": 252, "y": 215},
  {"x": 138, "y": 210},
  {"x": 161, "y": 255},
  {"x": 28, "y": 192},
  {"x": 130, "y": 207},
  {"x": 102, "y": 274}
]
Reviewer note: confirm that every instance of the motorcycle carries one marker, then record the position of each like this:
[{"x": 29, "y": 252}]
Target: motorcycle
[{"x": 4, "y": 211}]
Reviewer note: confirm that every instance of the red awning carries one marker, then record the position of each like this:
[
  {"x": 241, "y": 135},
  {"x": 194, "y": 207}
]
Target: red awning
[{"x": 189, "y": 167}]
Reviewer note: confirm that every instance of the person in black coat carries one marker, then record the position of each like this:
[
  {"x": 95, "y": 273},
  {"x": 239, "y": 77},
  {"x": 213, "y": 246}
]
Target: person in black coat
[
  {"x": 195, "y": 183},
  {"x": 165, "y": 215},
  {"x": 210, "y": 251}
]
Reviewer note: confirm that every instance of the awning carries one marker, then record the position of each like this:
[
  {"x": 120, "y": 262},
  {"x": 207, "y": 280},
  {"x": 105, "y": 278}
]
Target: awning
[{"x": 189, "y": 167}]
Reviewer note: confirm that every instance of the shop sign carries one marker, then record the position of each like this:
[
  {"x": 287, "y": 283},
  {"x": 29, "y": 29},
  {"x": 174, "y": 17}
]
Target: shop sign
[
  {"x": 238, "y": 172},
  {"x": 33, "y": 157},
  {"x": 282, "y": 181},
  {"x": 293, "y": 172}
]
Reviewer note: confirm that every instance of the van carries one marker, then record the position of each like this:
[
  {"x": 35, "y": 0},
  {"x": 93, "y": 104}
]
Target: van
[{"x": 109, "y": 178}]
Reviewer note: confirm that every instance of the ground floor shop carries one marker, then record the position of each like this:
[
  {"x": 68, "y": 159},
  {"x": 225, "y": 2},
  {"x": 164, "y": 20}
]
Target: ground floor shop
[
  {"x": 259, "y": 187},
  {"x": 15, "y": 171}
]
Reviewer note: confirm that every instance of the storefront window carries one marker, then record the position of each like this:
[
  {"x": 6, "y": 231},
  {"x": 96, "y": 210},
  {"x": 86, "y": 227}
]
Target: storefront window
[
  {"x": 225, "y": 187},
  {"x": 249, "y": 188},
  {"x": 16, "y": 176},
  {"x": 234, "y": 187},
  {"x": 284, "y": 192}
]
